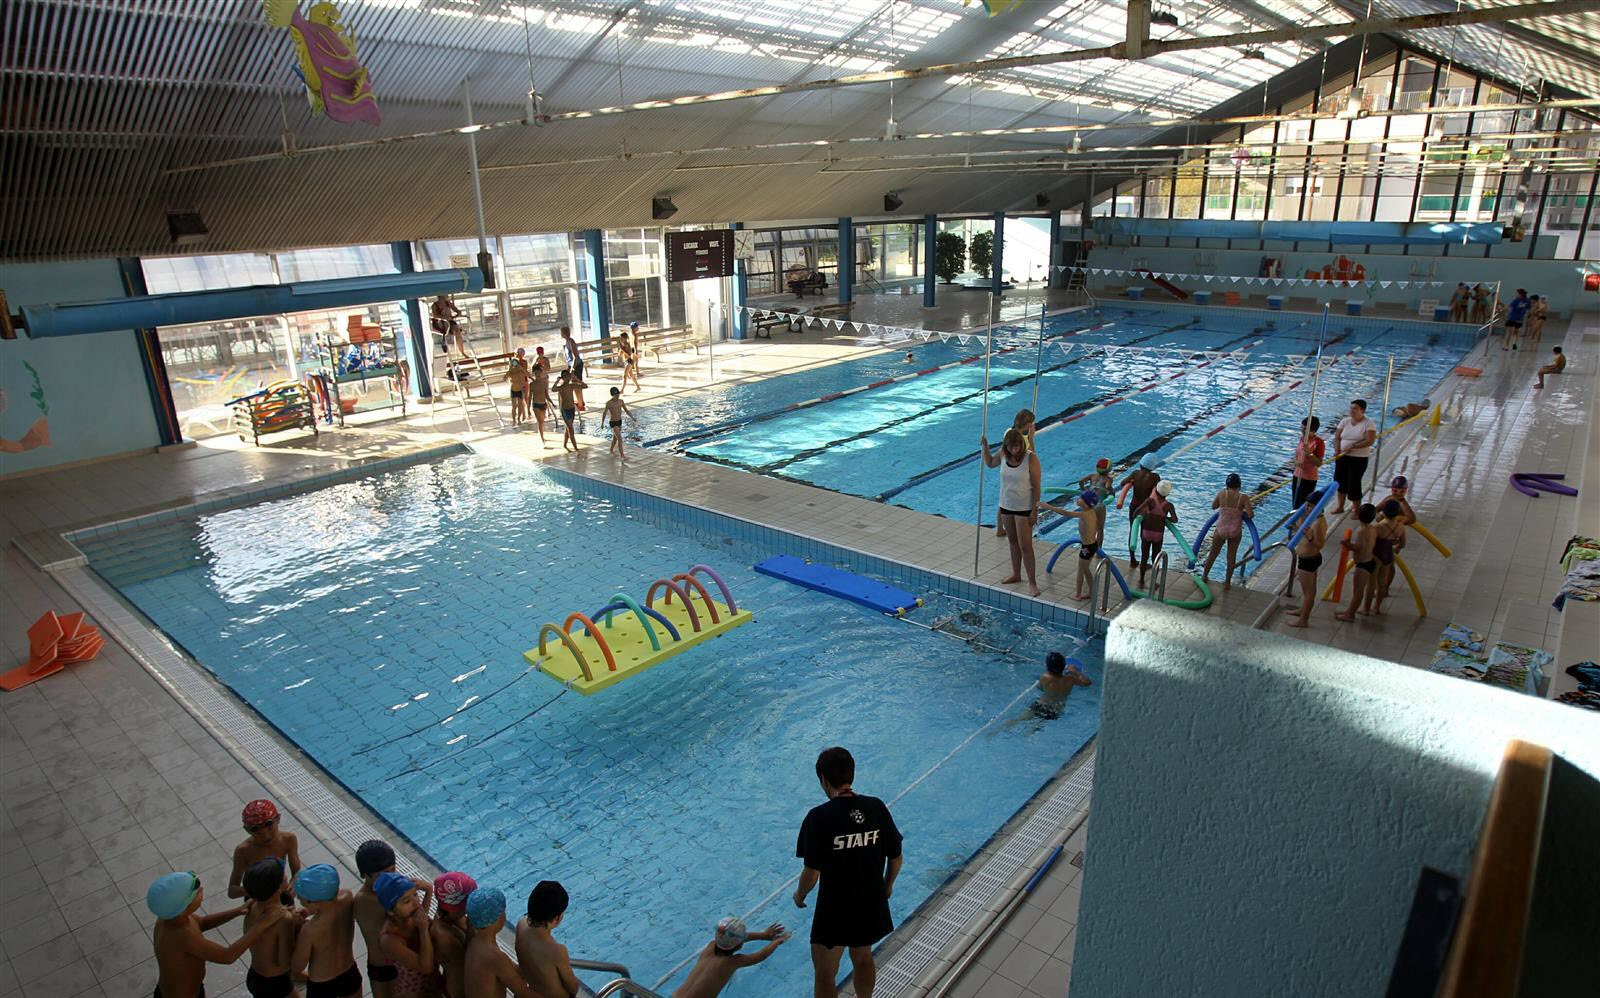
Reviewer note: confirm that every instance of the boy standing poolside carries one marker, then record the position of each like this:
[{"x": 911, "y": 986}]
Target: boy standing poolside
[
  {"x": 1516, "y": 315},
  {"x": 543, "y": 961},
  {"x": 1308, "y": 557},
  {"x": 1360, "y": 547},
  {"x": 450, "y": 929},
  {"x": 721, "y": 957},
  {"x": 517, "y": 374},
  {"x": 266, "y": 841},
  {"x": 268, "y": 976},
  {"x": 373, "y": 859},
  {"x": 1557, "y": 364},
  {"x": 567, "y": 389},
  {"x": 539, "y": 387},
  {"x": 182, "y": 951},
  {"x": 324, "y": 955},
  {"x": 615, "y": 410},
  {"x": 489, "y": 972},
  {"x": 1091, "y": 517}
]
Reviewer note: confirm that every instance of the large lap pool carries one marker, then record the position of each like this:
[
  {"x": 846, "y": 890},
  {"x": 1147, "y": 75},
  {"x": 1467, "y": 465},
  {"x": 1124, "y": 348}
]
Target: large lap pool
[
  {"x": 380, "y": 624},
  {"x": 915, "y": 442}
]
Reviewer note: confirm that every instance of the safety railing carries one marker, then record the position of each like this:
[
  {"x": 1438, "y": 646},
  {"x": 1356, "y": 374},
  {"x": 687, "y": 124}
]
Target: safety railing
[
  {"x": 1100, "y": 595},
  {"x": 1158, "y": 585},
  {"x": 622, "y": 984}
]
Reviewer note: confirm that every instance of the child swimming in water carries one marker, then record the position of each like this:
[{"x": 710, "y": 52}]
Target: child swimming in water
[{"x": 1061, "y": 676}]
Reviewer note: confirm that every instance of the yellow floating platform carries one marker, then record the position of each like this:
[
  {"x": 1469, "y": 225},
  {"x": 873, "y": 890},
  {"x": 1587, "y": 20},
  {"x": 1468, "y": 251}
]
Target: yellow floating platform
[{"x": 589, "y": 655}]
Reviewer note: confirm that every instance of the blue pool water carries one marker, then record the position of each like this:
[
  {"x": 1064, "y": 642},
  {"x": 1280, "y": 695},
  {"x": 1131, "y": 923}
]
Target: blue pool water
[
  {"x": 380, "y": 623},
  {"x": 914, "y": 443}
]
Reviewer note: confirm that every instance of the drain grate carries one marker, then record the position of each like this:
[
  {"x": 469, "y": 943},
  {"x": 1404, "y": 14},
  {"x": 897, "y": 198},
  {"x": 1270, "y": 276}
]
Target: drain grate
[{"x": 980, "y": 891}]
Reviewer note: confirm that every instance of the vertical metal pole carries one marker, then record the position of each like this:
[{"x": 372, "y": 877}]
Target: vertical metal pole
[
  {"x": 472, "y": 157},
  {"x": 983, "y": 467},
  {"x": 1383, "y": 419},
  {"x": 1311, "y": 408},
  {"x": 1038, "y": 360},
  {"x": 711, "y": 337}
]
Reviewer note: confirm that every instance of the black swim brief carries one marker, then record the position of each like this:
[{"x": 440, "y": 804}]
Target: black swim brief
[
  {"x": 1310, "y": 564},
  {"x": 516, "y": 393},
  {"x": 343, "y": 986},
  {"x": 260, "y": 986},
  {"x": 157, "y": 993},
  {"x": 616, "y": 423},
  {"x": 1044, "y": 711},
  {"x": 540, "y": 406},
  {"x": 1016, "y": 512},
  {"x": 1089, "y": 551},
  {"x": 1370, "y": 565},
  {"x": 382, "y": 973},
  {"x": 569, "y": 414}
]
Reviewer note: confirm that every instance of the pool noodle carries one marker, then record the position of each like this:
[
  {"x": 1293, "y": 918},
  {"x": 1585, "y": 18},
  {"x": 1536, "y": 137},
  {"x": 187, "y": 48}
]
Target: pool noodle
[
  {"x": 1416, "y": 594},
  {"x": 1427, "y": 535},
  {"x": 1255, "y": 538},
  {"x": 1110, "y": 563}
]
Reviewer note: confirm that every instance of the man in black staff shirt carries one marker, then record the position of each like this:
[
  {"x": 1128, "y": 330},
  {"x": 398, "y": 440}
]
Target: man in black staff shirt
[{"x": 852, "y": 846}]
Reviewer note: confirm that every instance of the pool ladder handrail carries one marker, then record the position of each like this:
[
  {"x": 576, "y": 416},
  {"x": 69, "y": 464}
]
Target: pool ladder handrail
[
  {"x": 1158, "y": 585},
  {"x": 623, "y": 984},
  {"x": 1099, "y": 582}
]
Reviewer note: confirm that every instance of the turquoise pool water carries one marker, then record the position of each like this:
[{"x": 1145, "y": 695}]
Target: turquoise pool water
[
  {"x": 915, "y": 442},
  {"x": 380, "y": 623}
]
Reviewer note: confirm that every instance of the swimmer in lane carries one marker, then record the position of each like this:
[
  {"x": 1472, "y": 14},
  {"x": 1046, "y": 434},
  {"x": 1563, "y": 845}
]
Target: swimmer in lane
[
  {"x": 1060, "y": 677},
  {"x": 718, "y": 960}
]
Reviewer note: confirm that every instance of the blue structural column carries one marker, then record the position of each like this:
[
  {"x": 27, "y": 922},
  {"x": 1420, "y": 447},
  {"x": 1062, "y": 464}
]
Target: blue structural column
[
  {"x": 416, "y": 337},
  {"x": 150, "y": 359},
  {"x": 996, "y": 271},
  {"x": 847, "y": 259},
  {"x": 1058, "y": 278},
  {"x": 930, "y": 251},
  {"x": 594, "y": 254},
  {"x": 741, "y": 293}
]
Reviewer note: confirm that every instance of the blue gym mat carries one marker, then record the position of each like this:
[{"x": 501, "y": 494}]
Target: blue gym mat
[{"x": 837, "y": 582}]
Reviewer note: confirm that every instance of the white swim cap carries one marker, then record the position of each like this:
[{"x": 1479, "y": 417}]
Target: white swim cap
[
  {"x": 1164, "y": 488},
  {"x": 731, "y": 933}
]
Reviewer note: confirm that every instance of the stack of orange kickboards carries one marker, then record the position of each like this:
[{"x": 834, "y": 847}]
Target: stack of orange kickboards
[{"x": 54, "y": 642}]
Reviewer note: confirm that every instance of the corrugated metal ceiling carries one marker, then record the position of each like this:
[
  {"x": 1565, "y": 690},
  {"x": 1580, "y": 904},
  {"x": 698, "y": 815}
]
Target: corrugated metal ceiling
[{"x": 101, "y": 99}]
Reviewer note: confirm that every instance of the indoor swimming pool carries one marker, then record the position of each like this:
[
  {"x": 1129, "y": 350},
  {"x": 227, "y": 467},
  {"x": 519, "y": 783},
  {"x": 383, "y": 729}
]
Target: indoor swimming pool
[
  {"x": 915, "y": 442},
  {"x": 379, "y": 624}
]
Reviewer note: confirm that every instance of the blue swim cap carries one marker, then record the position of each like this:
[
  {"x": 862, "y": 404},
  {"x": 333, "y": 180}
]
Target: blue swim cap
[
  {"x": 1089, "y": 496},
  {"x": 390, "y": 888},
  {"x": 1148, "y": 461},
  {"x": 169, "y": 894},
  {"x": 319, "y": 882},
  {"x": 485, "y": 906}
]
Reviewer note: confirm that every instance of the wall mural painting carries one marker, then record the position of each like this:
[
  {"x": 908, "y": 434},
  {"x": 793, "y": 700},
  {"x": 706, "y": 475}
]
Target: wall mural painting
[{"x": 37, "y": 435}]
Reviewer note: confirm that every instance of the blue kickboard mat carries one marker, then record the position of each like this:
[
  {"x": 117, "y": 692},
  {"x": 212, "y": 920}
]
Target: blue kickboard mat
[{"x": 837, "y": 582}]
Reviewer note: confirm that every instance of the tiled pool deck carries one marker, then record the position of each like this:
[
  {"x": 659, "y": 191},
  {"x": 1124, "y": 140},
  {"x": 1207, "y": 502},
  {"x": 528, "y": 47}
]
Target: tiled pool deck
[{"x": 107, "y": 779}]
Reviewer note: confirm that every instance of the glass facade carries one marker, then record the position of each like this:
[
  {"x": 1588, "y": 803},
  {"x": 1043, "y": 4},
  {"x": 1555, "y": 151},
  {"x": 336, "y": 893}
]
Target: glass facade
[{"x": 1467, "y": 156}]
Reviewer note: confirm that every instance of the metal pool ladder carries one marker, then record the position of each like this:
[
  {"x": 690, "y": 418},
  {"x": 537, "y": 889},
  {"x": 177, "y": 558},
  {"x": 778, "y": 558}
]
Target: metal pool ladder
[
  {"x": 623, "y": 984},
  {"x": 1158, "y": 583},
  {"x": 1099, "y": 595}
]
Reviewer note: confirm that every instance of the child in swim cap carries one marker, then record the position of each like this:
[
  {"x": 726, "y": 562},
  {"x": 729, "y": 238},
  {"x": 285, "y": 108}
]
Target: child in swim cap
[
  {"x": 718, "y": 959},
  {"x": 1099, "y": 479}
]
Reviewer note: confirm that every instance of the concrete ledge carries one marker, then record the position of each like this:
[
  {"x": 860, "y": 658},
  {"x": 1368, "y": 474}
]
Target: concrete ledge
[{"x": 1262, "y": 807}]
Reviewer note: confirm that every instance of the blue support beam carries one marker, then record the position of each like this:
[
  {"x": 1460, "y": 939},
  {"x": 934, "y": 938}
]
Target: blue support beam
[
  {"x": 150, "y": 359},
  {"x": 930, "y": 247},
  {"x": 741, "y": 294},
  {"x": 150, "y": 311},
  {"x": 996, "y": 271},
  {"x": 594, "y": 253},
  {"x": 416, "y": 337},
  {"x": 847, "y": 260},
  {"x": 1058, "y": 278}
]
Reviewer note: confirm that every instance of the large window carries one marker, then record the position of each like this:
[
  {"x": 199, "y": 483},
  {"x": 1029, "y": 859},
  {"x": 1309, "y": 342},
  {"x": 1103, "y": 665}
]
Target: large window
[
  {"x": 634, "y": 271},
  {"x": 200, "y": 273}
]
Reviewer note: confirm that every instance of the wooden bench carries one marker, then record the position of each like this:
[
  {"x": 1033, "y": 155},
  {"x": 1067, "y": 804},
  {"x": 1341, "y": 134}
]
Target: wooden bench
[
  {"x": 668, "y": 339},
  {"x": 792, "y": 321},
  {"x": 816, "y": 283}
]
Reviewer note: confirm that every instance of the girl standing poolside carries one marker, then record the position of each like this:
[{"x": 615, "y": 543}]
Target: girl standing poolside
[
  {"x": 1233, "y": 508},
  {"x": 1023, "y": 423},
  {"x": 1155, "y": 513}
]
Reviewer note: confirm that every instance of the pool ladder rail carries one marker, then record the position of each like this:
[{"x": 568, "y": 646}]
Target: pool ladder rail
[
  {"x": 622, "y": 984},
  {"x": 1100, "y": 598}
]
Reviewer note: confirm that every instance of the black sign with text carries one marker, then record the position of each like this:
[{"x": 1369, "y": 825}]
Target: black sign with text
[{"x": 693, "y": 255}]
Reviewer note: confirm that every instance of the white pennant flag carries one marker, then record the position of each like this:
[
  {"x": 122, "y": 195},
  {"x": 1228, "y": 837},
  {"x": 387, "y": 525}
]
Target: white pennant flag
[
  {"x": 1110, "y": 351},
  {"x": 873, "y": 330},
  {"x": 963, "y": 338},
  {"x": 1384, "y": 284},
  {"x": 1211, "y": 354},
  {"x": 1066, "y": 348},
  {"x": 1403, "y": 284}
]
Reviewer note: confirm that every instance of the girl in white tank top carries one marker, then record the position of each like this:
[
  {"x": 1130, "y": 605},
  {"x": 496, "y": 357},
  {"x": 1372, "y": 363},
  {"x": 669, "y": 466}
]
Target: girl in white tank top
[{"x": 1019, "y": 485}]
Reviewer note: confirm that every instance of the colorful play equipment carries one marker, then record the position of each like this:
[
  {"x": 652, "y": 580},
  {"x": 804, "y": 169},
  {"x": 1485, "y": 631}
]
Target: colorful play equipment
[
  {"x": 1531, "y": 483},
  {"x": 1333, "y": 591},
  {"x": 858, "y": 589},
  {"x": 54, "y": 642},
  {"x": 1165, "y": 285},
  {"x": 627, "y": 640},
  {"x": 1200, "y": 539},
  {"x": 280, "y": 406}
]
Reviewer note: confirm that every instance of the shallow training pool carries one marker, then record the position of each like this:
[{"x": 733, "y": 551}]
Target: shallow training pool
[
  {"x": 380, "y": 625},
  {"x": 915, "y": 442}
]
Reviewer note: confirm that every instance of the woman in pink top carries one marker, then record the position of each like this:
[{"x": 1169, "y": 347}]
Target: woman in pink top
[{"x": 1308, "y": 457}]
